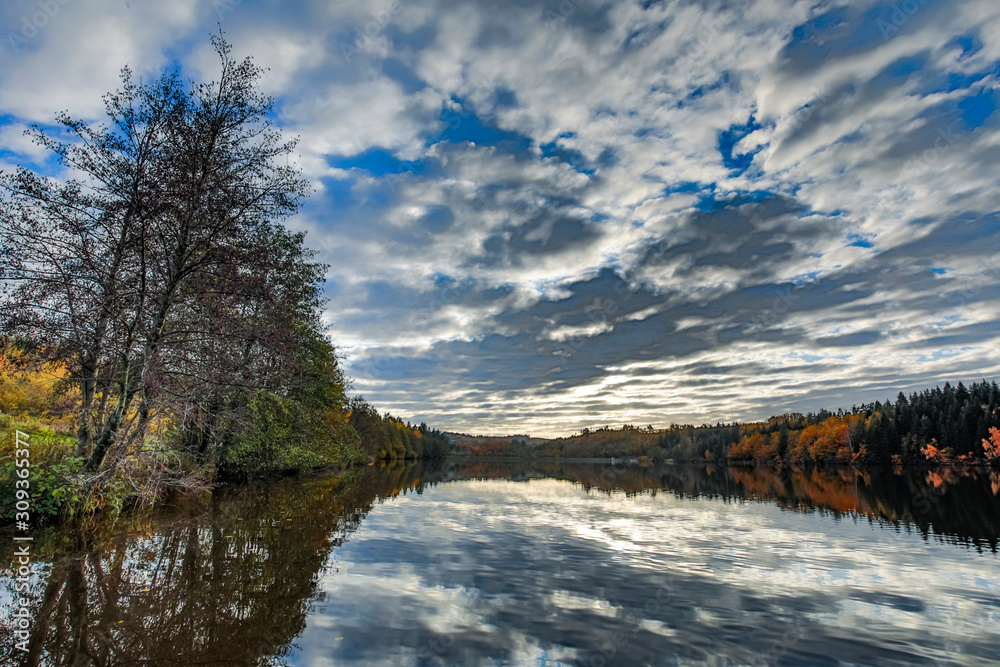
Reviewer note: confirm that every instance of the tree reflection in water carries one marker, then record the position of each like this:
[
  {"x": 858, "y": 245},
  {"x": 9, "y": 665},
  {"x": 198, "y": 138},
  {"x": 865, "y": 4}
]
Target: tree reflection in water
[{"x": 232, "y": 582}]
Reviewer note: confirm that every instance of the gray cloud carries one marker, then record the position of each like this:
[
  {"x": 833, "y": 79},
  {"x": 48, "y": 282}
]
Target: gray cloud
[{"x": 533, "y": 227}]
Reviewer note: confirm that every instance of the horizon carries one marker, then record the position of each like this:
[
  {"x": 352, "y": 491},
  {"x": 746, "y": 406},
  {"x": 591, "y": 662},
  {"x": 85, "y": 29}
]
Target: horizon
[
  {"x": 562, "y": 215},
  {"x": 710, "y": 424}
]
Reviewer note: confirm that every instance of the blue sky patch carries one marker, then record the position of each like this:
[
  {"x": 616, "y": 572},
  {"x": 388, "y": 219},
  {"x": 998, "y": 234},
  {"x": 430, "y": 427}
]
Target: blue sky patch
[
  {"x": 976, "y": 109},
  {"x": 570, "y": 156},
  {"x": 970, "y": 44},
  {"x": 466, "y": 126},
  {"x": 376, "y": 161},
  {"x": 728, "y": 139}
]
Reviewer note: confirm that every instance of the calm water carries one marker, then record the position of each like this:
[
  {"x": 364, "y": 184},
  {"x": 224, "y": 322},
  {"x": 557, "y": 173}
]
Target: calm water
[{"x": 534, "y": 564}]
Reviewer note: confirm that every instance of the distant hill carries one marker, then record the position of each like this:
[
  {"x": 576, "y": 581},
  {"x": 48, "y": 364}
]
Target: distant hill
[
  {"x": 950, "y": 424},
  {"x": 498, "y": 445}
]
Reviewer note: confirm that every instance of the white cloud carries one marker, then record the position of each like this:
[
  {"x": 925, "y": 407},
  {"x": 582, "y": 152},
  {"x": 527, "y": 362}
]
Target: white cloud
[{"x": 633, "y": 100}]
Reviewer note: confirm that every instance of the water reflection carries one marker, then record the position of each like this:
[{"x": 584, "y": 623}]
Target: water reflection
[
  {"x": 227, "y": 583},
  {"x": 576, "y": 564},
  {"x": 958, "y": 506}
]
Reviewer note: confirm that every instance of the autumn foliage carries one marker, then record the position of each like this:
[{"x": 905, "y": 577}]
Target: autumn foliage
[
  {"x": 935, "y": 426},
  {"x": 934, "y": 454},
  {"x": 991, "y": 447},
  {"x": 944, "y": 425},
  {"x": 35, "y": 390}
]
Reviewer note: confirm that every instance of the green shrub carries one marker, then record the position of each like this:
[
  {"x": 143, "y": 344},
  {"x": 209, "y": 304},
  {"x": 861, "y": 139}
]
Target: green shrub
[
  {"x": 51, "y": 486},
  {"x": 280, "y": 434},
  {"x": 51, "y": 470}
]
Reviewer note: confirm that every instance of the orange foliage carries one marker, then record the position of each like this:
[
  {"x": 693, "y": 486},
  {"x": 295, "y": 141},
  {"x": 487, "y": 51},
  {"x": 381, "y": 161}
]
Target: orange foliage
[
  {"x": 992, "y": 446},
  {"x": 840, "y": 439},
  {"x": 756, "y": 446},
  {"x": 825, "y": 441},
  {"x": 27, "y": 388},
  {"x": 934, "y": 454},
  {"x": 803, "y": 444}
]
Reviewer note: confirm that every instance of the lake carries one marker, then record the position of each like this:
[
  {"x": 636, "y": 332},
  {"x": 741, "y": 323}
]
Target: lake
[{"x": 478, "y": 562}]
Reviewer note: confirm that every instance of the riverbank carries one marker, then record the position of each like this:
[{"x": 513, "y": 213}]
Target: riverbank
[
  {"x": 60, "y": 490},
  {"x": 43, "y": 478}
]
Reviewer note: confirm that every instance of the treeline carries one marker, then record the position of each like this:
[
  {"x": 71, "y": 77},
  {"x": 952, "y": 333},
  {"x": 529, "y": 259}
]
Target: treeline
[
  {"x": 384, "y": 437},
  {"x": 950, "y": 424},
  {"x": 488, "y": 445},
  {"x": 626, "y": 442}
]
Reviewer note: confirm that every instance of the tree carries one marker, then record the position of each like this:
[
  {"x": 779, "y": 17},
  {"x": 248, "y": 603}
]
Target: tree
[
  {"x": 991, "y": 447},
  {"x": 162, "y": 279}
]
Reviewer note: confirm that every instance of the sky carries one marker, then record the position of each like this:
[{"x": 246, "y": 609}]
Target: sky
[{"x": 545, "y": 216}]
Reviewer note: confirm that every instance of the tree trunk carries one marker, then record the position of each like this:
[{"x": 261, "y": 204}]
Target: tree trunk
[
  {"x": 84, "y": 434},
  {"x": 115, "y": 420}
]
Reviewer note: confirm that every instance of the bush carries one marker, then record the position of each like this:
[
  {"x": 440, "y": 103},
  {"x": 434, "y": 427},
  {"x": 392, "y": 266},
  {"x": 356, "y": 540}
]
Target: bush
[
  {"x": 50, "y": 473},
  {"x": 283, "y": 435}
]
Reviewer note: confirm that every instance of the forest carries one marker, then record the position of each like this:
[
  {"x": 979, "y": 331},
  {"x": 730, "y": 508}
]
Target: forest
[
  {"x": 161, "y": 329},
  {"x": 953, "y": 424}
]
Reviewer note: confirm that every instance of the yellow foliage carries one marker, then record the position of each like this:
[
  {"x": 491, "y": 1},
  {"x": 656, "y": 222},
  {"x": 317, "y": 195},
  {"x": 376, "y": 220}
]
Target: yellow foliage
[{"x": 31, "y": 392}]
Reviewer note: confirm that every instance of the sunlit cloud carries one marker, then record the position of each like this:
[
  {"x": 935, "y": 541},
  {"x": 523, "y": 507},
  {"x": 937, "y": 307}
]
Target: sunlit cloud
[{"x": 545, "y": 216}]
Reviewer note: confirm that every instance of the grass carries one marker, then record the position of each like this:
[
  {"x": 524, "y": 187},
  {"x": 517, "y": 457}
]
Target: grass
[
  {"x": 53, "y": 437},
  {"x": 52, "y": 466}
]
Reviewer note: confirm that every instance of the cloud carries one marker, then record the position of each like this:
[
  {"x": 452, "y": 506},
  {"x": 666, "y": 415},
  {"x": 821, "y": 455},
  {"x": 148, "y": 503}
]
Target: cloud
[
  {"x": 541, "y": 216},
  {"x": 474, "y": 597}
]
